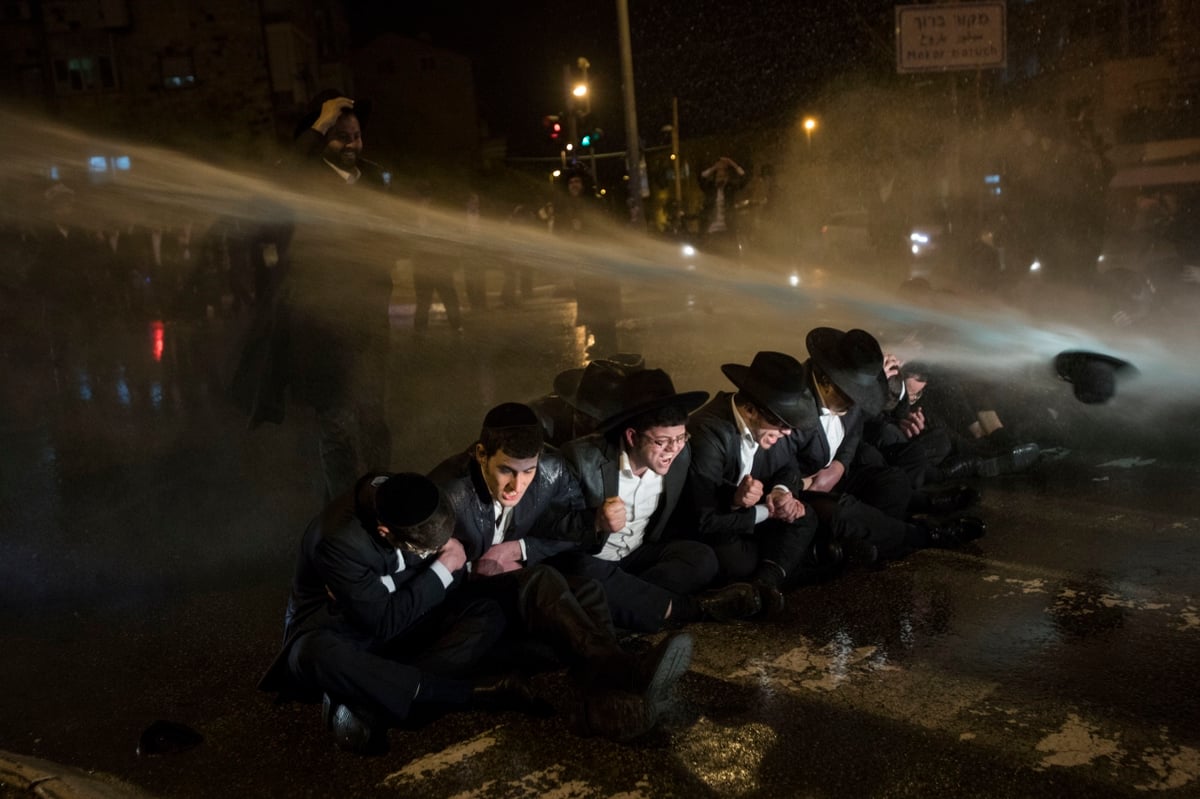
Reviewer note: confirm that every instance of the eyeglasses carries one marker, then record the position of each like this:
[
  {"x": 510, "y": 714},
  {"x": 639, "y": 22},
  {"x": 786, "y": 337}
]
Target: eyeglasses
[{"x": 669, "y": 443}]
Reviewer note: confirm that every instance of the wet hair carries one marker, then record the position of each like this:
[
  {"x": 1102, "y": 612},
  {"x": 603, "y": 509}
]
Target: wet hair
[
  {"x": 918, "y": 369},
  {"x": 514, "y": 428},
  {"x": 663, "y": 416},
  {"x": 414, "y": 510}
]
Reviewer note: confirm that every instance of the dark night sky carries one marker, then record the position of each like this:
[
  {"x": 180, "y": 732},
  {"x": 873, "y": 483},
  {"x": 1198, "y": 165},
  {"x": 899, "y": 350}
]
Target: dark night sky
[{"x": 730, "y": 63}]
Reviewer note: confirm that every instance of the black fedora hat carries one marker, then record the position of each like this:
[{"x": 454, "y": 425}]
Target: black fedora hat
[
  {"x": 595, "y": 390},
  {"x": 566, "y": 382},
  {"x": 1093, "y": 374},
  {"x": 362, "y": 110},
  {"x": 779, "y": 383},
  {"x": 853, "y": 360},
  {"x": 647, "y": 390}
]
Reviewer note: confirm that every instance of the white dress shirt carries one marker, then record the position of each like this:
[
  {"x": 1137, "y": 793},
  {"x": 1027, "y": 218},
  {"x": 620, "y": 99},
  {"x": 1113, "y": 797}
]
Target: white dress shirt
[{"x": 641, "y": 496}]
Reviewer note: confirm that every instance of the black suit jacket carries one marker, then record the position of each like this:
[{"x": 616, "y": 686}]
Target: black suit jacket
[
  {"x": 810, "y": 448},
  {"x": 595, "y": 462},
  {"x": 341, "y": 554},
  {"x": 716, "y": 464},
  {"x": 543, "y": 517}
]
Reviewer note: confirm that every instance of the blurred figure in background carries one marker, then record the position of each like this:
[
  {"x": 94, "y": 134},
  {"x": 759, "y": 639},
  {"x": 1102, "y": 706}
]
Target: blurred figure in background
[{"x": 718, "y": 219}]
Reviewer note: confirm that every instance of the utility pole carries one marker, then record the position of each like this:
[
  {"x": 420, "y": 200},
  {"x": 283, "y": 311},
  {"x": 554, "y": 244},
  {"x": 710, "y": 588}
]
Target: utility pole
[
  {"x": 676, "y": 161},
  {"x": 572, "y": 117},
  {"x": 633, "y": 151}
]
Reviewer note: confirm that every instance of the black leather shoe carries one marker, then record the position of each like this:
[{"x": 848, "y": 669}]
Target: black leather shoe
[
  {"x": 948, "y": 500},
  {"x": 826, "y": 554},
  {"x": 352, "y": 731},
  {"x": 959, "y": 468},
  {"x": 956, "y": 532},
  {"x": 770, "y": 599},
  {"x": 737, "y": 601},
  {"x": 860, "y": 552},
  {"x": 509, "y": 692},
  {"x": 1018, "y": 459},
  {"x": 660, "y": 668},
  {"x": 617, "y": 715}
]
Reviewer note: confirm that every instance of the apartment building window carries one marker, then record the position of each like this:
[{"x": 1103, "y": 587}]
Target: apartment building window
[
  {"x": 84, "y": 73},
  {"x": 178, "y": 72}
]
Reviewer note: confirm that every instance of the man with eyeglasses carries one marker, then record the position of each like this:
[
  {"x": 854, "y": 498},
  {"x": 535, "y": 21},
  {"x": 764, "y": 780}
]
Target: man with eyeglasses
[
  {"x": 760, "y": 534},
  {"x": 632, "y": 474},
  {"x": 371, "y": 623},
  {"x": 513, "y": 501}
]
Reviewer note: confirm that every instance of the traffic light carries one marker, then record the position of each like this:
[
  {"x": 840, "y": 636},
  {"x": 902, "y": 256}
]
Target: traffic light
[
  {"x": 586, "y": 141},
  {"x": 591, "y": 138},
  {"x": 553, "y": 126}
]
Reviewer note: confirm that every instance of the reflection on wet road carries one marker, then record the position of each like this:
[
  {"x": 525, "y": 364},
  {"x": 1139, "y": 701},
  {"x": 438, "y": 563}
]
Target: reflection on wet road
[{"x": 148, "y": 541}]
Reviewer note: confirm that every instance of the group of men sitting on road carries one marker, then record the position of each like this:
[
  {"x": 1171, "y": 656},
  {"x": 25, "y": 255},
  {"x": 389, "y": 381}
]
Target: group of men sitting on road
[{"x": 618, "y": 503}]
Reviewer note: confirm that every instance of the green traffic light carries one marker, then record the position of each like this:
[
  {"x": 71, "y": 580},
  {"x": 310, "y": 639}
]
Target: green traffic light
[{"x": 586, "y": 141}]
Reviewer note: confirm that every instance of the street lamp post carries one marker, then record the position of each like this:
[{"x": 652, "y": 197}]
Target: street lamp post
[
  {"x": 810, "y": 124},
  {"x": 633, "y": 152}
]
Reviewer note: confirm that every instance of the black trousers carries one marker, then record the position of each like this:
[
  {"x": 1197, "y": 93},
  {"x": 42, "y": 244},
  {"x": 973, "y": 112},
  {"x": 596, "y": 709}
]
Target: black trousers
[
  {"x": 779, "y": 542},
  {"x": 380, "y": 679},
  {"x": 642, "y": 585},
  {"x": 871, "y": 505},
  {"x": 569, "y": 614}
]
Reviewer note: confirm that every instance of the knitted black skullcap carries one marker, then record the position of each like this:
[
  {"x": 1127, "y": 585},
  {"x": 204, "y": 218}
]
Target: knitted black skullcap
[
  {"x": 406, "y": 499},
  {"x": 510, "y": 414}
]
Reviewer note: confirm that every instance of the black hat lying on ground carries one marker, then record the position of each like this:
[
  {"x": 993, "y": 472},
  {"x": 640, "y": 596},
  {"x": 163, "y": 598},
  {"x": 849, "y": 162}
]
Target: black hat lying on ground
[{"x": 1093, "y": 374}]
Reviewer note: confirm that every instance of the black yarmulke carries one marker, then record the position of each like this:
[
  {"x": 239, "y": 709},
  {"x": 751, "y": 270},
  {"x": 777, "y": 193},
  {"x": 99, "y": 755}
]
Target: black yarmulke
[{"x": 406, "y": 500}]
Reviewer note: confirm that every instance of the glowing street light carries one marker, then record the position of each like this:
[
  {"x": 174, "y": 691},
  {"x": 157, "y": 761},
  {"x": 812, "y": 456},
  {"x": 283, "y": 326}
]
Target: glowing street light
[
  {"x": 580, "y": 90},
  {"x": 810, "y": 124}
]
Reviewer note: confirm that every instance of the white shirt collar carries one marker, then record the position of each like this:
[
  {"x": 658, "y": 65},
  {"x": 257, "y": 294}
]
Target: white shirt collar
[
  {"x": 743, "y": 428},
  {"x": 350, "y": 177}
]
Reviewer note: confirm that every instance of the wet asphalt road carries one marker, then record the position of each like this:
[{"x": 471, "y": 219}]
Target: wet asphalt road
[{"x": 148, "y": 542}]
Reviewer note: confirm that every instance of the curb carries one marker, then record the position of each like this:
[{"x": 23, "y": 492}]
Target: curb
[{"x": 41, "y": 778}]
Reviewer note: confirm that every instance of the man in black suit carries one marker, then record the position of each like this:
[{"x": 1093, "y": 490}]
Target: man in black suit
[
  {"x": 760, "y": 535},
  {"x": 632, "y": 474},
  {"x": 513, "y": 503},
  {"x": 339, "y": 287},
  {"x": 861, "y": 502},
  {"x": 369, "y": 624}
]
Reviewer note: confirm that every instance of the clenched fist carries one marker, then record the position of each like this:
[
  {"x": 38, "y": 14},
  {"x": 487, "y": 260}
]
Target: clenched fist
[{"x": 748, "y": 493}]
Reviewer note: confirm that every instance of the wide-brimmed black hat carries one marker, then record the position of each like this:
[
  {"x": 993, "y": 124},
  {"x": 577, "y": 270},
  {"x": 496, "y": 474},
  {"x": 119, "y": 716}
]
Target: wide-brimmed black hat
[
  {"x": 647, "y": 390},
  {"x": 362, "y": 110},
  {"x": 566, "y": 382},
  {"x": 595, "y": 390},
  {"x": 1093, "y": 374},
  {"x": 853, "y": 360},
  {"x": 779, "y": 383}
]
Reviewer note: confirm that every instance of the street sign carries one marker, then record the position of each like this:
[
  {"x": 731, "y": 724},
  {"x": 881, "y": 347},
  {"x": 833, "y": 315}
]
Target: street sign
[{"x": 941, "y": 37}]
